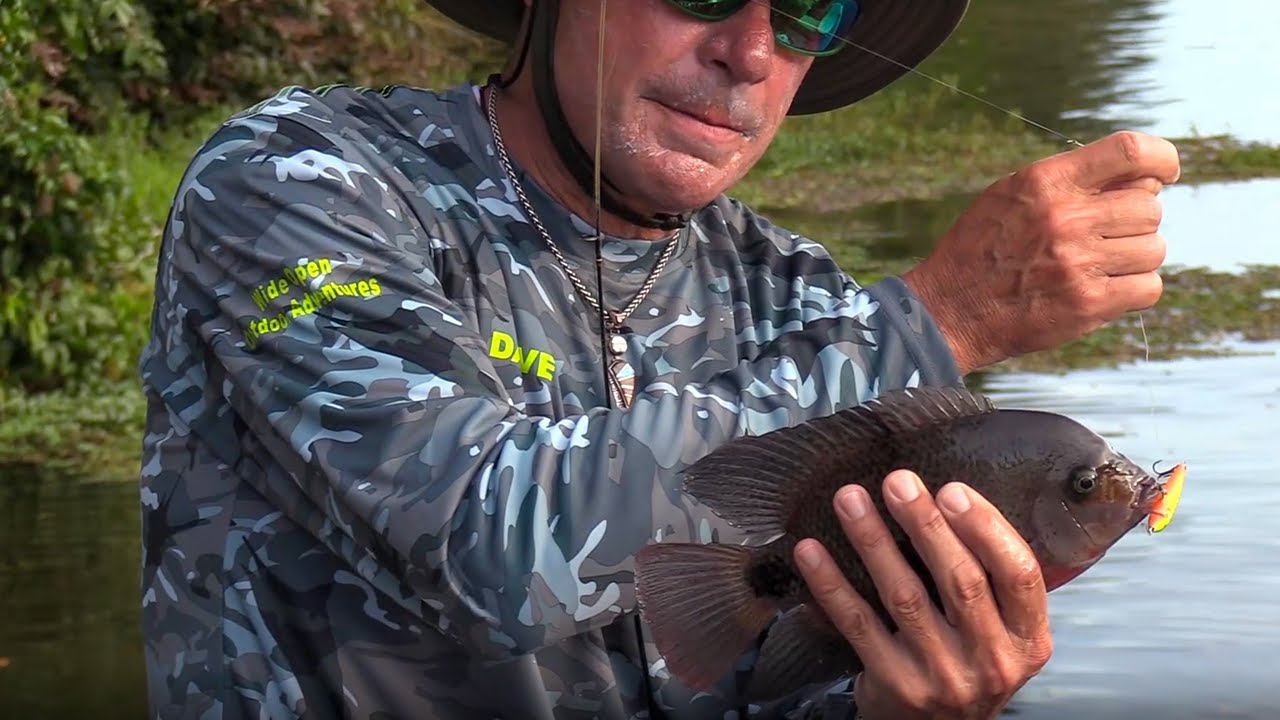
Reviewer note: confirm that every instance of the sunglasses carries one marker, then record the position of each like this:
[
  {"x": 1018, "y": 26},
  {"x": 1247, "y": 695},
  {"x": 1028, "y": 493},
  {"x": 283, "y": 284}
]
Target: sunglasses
[{"x": 810, "y": 27}]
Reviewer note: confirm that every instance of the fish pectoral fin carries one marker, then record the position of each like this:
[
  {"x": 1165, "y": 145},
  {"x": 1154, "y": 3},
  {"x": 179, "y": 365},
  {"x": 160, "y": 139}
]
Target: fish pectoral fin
[
  {"x": 801, "y": 648},
  {"x": 701, "y": 612}
]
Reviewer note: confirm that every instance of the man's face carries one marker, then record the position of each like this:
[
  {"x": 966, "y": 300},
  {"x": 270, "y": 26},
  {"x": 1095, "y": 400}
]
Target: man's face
[{"x": 689, "y": 106}]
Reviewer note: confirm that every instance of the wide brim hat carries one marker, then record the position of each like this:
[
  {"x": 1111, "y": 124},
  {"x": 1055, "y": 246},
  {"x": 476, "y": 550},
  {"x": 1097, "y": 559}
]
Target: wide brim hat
[{"x": 891, "y": 37}]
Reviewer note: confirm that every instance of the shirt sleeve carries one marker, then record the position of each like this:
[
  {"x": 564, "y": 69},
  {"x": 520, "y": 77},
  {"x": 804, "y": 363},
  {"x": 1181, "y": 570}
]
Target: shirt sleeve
[{"x": 296, "y": 281}]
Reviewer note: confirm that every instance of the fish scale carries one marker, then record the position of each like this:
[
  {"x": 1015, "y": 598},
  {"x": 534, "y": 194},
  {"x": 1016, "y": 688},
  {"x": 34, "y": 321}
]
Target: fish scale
[{"x": 1059, "y": 484}]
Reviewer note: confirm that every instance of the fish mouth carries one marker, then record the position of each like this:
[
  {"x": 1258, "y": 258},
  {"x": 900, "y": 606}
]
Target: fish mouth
[{"x": 1149, "y": 491}]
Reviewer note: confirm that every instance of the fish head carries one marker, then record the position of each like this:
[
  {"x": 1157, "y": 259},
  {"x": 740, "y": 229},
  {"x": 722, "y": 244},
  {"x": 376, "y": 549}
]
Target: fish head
[{"x": 1093, "y": 497}]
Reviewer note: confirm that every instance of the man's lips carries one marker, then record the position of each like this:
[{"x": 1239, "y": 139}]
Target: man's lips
[{"x": 706, "y": 116}]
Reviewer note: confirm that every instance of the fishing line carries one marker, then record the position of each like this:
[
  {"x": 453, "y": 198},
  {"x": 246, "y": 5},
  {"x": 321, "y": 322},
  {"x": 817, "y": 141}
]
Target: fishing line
[
  {"x": 604, "y": 342},
  {"x": 600, "y": 49},
  {"x": 929, "y": 77},
  {"x": 1146, "y": 361},
  {"x": 1146, "y": 345},
  {"x": 654, "y": 711}
]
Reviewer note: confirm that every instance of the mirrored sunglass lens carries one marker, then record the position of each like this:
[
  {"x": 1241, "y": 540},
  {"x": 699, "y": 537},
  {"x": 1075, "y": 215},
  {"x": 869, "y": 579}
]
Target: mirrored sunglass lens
[
  {"x": 710, "y": 9},
  {"x": 810, "y": 26},
  {"x": 815, "y": 26}
]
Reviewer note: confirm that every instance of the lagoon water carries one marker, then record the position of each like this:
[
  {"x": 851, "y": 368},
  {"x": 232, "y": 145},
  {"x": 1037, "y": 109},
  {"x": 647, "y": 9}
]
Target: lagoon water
[{"x": 1185, "y": 624}]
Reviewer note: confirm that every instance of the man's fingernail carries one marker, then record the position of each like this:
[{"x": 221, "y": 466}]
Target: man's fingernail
[
  {"x": 809, "y": 557},
  {"x": 853, "y": 503},
  {"x": 954, "y": 499},
  {"x": 904, "y": 486}
]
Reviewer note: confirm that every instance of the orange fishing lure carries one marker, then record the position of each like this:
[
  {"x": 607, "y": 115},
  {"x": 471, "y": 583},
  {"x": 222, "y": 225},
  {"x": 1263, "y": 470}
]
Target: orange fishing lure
[{"x": 1164, "y": 508}]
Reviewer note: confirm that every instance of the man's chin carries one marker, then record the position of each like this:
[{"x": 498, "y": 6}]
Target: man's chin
[
  {"x": 671, "y": 200},
  {"x": 676, "y": 182},
  {"x": 693, "y": 157}
]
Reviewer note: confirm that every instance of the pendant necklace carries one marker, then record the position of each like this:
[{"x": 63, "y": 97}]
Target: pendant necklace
[{"x": 621, "y": 376}]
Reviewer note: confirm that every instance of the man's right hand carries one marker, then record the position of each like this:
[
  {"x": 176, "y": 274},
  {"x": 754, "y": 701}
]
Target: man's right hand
[
  {"x": 1052, "y": 252},
  {"x": 963, "y": 660}
]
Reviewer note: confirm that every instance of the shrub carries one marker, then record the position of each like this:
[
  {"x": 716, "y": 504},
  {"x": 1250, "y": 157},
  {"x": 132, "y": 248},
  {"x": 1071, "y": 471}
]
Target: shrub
[{"x": 86, "y": 84}]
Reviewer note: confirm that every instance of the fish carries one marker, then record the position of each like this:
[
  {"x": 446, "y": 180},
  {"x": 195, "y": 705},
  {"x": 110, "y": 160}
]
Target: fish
[
  {"x": 1061, "y": 486},
  {"x": 1162, "y": 513}
]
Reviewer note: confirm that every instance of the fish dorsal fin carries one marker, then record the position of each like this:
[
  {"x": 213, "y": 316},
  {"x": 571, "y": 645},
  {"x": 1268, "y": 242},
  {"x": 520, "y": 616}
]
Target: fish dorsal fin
[
  {"x": 750, "y": 481},
  {"x": 918, "y": 408}
]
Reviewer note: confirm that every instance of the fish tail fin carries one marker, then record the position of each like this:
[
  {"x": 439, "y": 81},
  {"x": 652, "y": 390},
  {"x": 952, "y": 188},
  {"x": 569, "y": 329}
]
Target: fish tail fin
[{"x": 700, "y": 609}]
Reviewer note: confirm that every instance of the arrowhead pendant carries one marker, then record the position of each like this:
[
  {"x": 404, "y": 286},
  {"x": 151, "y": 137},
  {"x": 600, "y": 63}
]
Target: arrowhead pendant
[{"x": 623, "y": 379}]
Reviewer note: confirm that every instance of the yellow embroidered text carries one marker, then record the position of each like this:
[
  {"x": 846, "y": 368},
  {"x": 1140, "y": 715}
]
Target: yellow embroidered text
[
  {"x": 308, "y": 302},
  {"x": 504, "y": 347}
]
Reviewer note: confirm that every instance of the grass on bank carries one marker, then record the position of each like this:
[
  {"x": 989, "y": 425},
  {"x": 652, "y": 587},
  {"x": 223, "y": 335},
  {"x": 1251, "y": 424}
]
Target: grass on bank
[
  {"x": 925, "y": 144},
  {"x": 821, "y": 164},
  {"x": 1199, "y": 311}
]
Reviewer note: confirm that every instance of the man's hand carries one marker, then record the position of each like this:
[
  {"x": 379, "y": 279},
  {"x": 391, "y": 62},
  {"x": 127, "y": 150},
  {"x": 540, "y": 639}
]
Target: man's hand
[
  {"x": 1051, "y": 253},
  {"x": 993, "y": 637}
]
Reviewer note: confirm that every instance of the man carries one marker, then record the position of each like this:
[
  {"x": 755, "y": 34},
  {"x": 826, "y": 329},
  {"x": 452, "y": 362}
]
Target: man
[{"x": 398, "y": 462}]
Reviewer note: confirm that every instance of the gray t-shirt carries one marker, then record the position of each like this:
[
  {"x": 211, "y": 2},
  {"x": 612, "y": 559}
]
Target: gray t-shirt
[{"x": 380, "y": 476}]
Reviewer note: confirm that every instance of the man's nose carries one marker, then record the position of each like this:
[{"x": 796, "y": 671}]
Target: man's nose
[{"x": 744, "y": 44}]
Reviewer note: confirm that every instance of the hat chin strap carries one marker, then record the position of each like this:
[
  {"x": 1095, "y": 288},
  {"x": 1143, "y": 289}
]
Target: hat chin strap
[{"x": 541, "y": 44}]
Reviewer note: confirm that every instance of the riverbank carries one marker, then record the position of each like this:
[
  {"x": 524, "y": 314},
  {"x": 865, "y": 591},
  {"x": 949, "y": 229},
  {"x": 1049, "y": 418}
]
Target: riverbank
[
  {"x": 819, "y": 169},
  {"x": 899, "y": 147}
]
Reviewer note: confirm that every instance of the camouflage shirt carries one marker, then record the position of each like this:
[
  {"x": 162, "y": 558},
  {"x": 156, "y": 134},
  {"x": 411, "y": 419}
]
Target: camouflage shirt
[{"x": 381, "y": 477}]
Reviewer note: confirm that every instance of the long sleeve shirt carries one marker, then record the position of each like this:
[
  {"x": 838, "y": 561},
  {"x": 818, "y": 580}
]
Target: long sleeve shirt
[{"x": 381, "y": 477}]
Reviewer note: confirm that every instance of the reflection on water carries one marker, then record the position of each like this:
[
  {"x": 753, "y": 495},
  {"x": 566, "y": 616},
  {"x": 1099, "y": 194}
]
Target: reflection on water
[
  {"x": 1221, "y": 226},
  {"x": 1184, "y": 624},
  {"x": 1061, "y": 64},
  {"x": 1214, "y": 65},
  {"x": 1088, "y": 66},
  {"x": 69, "y": 569}
]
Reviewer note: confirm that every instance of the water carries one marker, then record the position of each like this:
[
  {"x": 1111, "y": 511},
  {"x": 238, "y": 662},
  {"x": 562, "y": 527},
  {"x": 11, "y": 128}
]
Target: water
[
  {"x": 69, "y": 569},
  {"x": 1170, "y": 67},
  {"x": 1180, "y": 625},
  {"x": 1183, "y": 624},
  {"x": 1223, "y": 226},
  {"x": 1213, "y": 70},
  {"x": 1186, "y": 623}
]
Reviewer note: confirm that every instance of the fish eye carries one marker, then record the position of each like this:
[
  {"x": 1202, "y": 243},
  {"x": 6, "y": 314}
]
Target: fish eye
[{"x": 1084, "y": 480}]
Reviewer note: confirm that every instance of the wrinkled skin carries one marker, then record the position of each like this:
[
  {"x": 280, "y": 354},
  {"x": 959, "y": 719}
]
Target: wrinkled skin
[
  {"x": 1042, "y": 257},
  {"x": 1052, "y": 252},
  {"x": 656, "y": 59}
]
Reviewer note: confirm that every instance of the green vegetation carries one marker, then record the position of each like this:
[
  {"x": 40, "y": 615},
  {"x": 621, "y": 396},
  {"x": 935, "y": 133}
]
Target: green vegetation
[
  {"x": 102, "y": 104},
  {"x": 1199, "y": 311},
  {"x": 1220, "y": 157},
  {"x": 911, "y": 142},
  {"x": 94, "y": 430}
]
